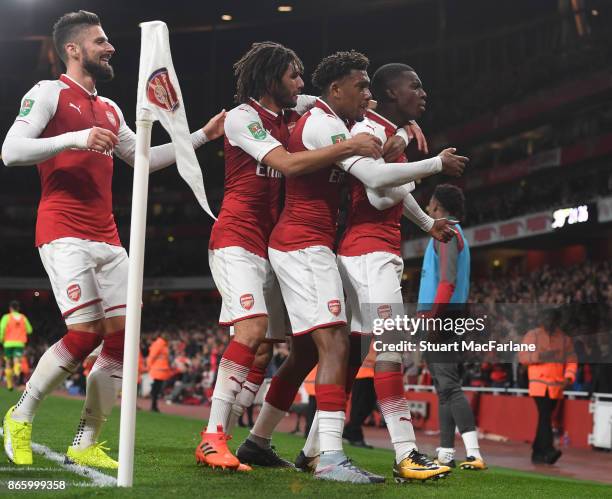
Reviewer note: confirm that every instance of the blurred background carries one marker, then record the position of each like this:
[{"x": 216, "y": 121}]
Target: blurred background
[{"x": 522, "y": 87}]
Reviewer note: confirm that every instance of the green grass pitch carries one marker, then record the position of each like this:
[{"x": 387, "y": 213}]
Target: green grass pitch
[{"x": 165, "y": 466}]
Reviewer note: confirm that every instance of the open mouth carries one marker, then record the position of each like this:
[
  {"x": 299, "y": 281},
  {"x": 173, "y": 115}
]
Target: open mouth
[{"x": 105, "y": 59}]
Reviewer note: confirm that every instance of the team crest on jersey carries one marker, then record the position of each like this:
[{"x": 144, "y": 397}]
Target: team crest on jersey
[
  {"x": 247, "y": 301},
  {"x": 111, "y": 118},
  {"x": 338, "y": 138},
  {"x": 74, "y": 292},
  {"x": 334, "y": 307},
  {"x": 257, "y": 130},
  {"x": 384, "y": 311},
  {"x": 26, "y": 107},
  {"x": 160, "y": 91}
]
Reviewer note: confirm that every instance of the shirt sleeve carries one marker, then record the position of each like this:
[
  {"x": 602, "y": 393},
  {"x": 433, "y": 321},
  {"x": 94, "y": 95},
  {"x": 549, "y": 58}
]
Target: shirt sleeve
[
  {"x": 39, "y": 104},
  {"x": 322, "y": 130},
  {"x": 414, "y": 213},
  {"x": 23, "y": 145},
  {"x": 244, "y": 129},
  {"x": 385, "y": 198},
  {"x": 401, "y": 132},
  {"x": 367, "y": 126},
  {"x": 305, "y": 103}
]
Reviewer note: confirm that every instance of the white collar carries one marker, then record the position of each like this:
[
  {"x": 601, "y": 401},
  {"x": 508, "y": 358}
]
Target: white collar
[
  {"x": 264, "y": 107},
  {"x": 94, "y": 93},
  {"x": 328, "y": 108}
]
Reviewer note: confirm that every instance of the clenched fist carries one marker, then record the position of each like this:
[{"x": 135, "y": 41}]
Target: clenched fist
[{"x": 101, "y": 140}]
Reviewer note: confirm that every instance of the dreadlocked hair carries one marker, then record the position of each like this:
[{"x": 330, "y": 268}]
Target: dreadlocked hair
[
  {"x": 262, "y": 68},
  {"x": 337, "y": 66}
]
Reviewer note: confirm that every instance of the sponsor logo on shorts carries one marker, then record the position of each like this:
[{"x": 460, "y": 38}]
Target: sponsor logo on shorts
[
  {"x": 111, "y": 118},
  {"x": 74, "y": 292},
  {"x": 247, "y": 301},
  {"x": 404, "y": 419},
  {"x": 334, "y": 307},
  {"x": 161, "y": 92},
  {"x": 291, "y": 126},
  {"x": 384, "y": 311}
]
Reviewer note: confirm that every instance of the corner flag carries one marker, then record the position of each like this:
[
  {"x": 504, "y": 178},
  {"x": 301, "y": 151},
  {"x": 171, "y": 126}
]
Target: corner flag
[{"x": 159, "y": 98}]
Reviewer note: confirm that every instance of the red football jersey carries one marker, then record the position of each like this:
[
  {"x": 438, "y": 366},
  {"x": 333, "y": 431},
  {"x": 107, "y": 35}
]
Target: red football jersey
[
  {"x": 369, "y": 229},
  {"x": 311, "y": 201},
  {"x": 251, "y": 202},
  {"x": 76, "y": 198}
]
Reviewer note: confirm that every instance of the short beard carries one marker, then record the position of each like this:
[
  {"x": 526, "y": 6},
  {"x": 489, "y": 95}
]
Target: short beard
[
  {"x": 283, "y": 98},
  {"x": 98, "y": 71}
]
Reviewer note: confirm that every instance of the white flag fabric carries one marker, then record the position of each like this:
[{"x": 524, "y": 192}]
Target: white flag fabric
[{"x": 160, "y": 98}]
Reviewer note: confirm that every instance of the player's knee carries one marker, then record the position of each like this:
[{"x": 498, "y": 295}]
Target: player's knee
[
  {"x": 251, "y": 332},
  {"x": 113, "y": 345},
  {"x": 80, "y": 344},
  {"x": 263, "y": 355},
  {"x": 333, "y": 342},
  {"x": 446, "y": 393}
]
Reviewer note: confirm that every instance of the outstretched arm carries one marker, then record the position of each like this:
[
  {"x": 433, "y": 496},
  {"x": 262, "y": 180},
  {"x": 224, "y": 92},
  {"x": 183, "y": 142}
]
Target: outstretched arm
[{"x": 164, "y": 155}]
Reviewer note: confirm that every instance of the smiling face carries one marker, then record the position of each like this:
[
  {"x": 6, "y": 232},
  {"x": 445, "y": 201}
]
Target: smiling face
[
  {"x": 92, "y": 51},
  {"x": 291, "y": 85},
  {"x": 409, "y": 95},
  {"x": 351, "y": 95}
]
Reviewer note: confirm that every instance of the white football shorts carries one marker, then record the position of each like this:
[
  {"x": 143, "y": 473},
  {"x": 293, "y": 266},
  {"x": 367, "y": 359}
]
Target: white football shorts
[
  {"x": 248, "y": 289},
  {"x": 89, "y": 278},
  {"x": 372, "y": 283},
  {"x": 311, "y": 287}
]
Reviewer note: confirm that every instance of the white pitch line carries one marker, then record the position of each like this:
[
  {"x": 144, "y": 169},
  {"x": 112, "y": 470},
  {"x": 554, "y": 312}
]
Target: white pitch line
[{"x": 98, "y": 479}]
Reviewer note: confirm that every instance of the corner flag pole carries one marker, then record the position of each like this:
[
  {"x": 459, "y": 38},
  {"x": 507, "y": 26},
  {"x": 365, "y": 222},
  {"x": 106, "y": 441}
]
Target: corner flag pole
[
  {"x": 159, "y": 99},
  {"x": 134, "y": 302}
]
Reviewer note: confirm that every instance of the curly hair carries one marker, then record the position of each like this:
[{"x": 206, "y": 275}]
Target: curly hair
[
  {"x": 261, "y": 68},
  {"x": 67, "y": 27},
  {"x": 452, "y": 199},
  {"x": 336, "y": 66}
]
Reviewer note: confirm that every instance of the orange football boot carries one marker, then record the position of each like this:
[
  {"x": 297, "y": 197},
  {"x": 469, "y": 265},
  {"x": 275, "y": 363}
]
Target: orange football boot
[{"x": 213, "y": 451}]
